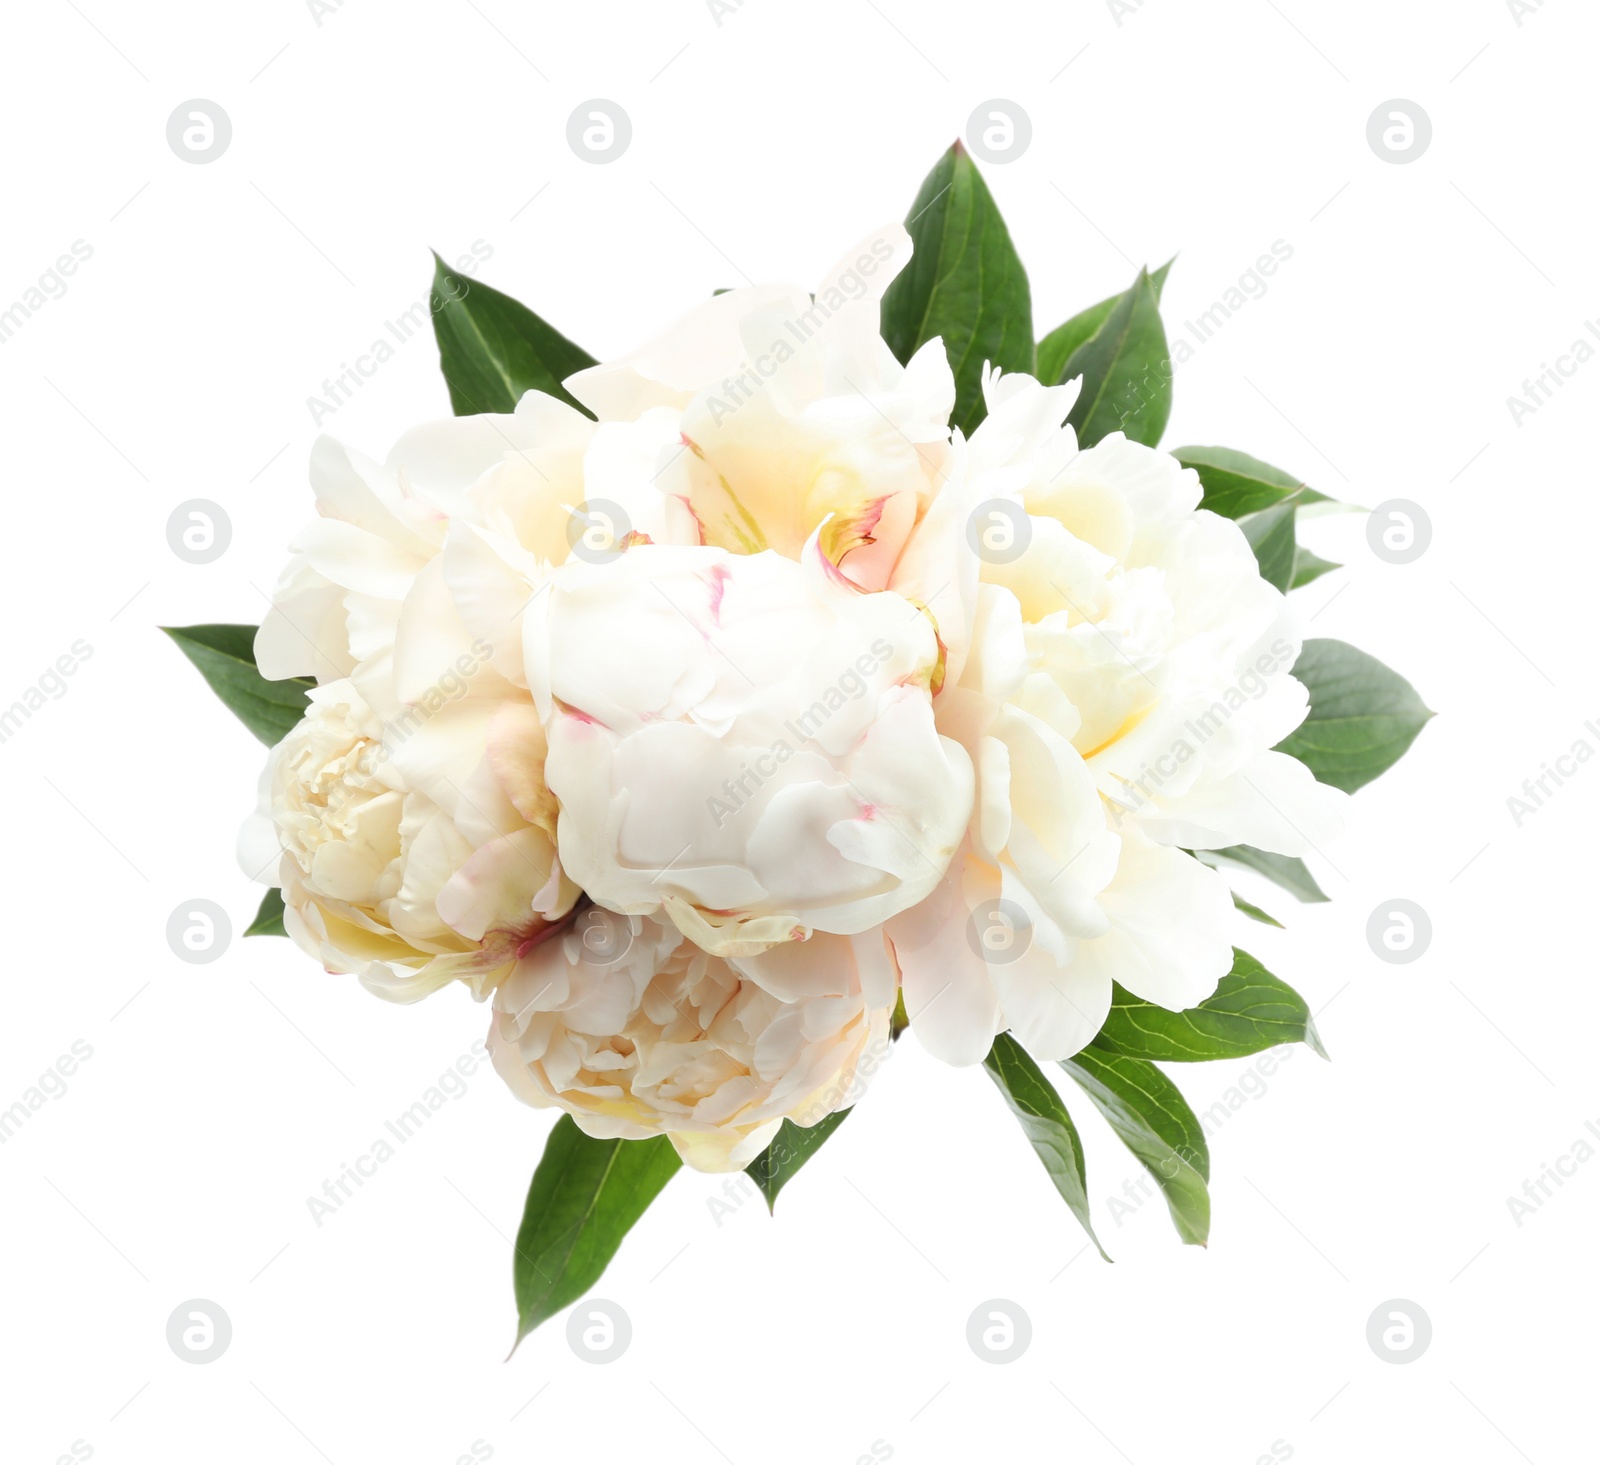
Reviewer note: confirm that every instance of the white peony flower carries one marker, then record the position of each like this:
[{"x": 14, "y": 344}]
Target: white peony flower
[
  {"x": 743, "y": 742},
  {"x": 1046, "y": 905},
  {"x": 411, "y": 561},
  {"x": 404, "y": 859},
  {"x": 636, "y": 1031},
  {"x": 794, "y": 417},
  {"x": 741, "y": 660},
  {"x": 1149, "y": 616},
  {"x": 396, "y": 601},
  {"x": 1126, "y": 676}
]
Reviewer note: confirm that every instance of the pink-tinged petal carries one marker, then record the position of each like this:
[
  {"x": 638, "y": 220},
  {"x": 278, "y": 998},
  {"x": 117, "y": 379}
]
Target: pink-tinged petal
[
  {"x": 441, "y": 751},
  {"x": 817, "y": 561},
  {"x": 517, "y": 750},
  {"x": 867, "y": 543},
  {"x": 495, "y": 890},
  {"x": 754, "y": 739},
  {"x": 799, "y": 971}
]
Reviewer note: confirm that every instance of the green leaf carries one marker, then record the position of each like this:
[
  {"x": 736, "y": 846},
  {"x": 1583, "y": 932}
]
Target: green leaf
[
  {"x": 1309, "y": 567},
  {"x": 1363, "y": 716},
  {"x": 1149, "y": 1115},
  {"x": 1271, "y": 536},
  {"x": 964, "y": 283},
  {"x": 1126, "y": 371},
  {"x": 1056, "y": 349},
  {"x": 585, "y": 1197},
  {"x": 1045, "y": 1121},
  {"x": 269, "y": 919},
  {"x": 1251, "y": 1010},
  {"x": 1268, "y": 504},
  {"x": 492, "y": 348},
  {"x": 226, "y": 658},
  {"x": 1284, "y": 871},
  {"x": 1254, "y": 911},
  {"x": 791, "y": 1147},
  {"x": 1234, "y": 484},
  {"x": 1319, "y": 505}
]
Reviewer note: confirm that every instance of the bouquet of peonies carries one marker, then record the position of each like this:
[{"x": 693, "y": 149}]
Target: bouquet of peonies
[{"x": 837, "y": 663}]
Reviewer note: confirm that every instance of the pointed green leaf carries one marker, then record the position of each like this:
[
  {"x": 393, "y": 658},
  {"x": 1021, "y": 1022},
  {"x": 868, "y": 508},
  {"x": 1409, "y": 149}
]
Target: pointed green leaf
[
  {"x": 1363, "y": 716},
  {"x": 1309, "y": 567},
  {"x": 1149, "y": 1115},
  {"x": 1271, "y": 536},
  {"x": 1251, "y": 1010},
  {"x": 1234, "y": 484},
  {"x": 1056, "y": 349},
  {"x": 1284, "y": 871},
  {"x": 964, "y": 283},
  {"x": 585, "y": 1197},
  {"x": 1126, "y": 371},
  {"x": 492, "y": 348},
  {"x": 1045, "y": 1121},
  {"x": 1255, "y": 912},
  {"x": 269, "y": 919},
  {"x": 1319, "y": 505},
  {"x": 791, "y": 1147},
  {"x": 226, "y": 658}
]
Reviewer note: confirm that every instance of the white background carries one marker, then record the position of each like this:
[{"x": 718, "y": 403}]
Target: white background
[{"x": 218, "y": 1098}]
